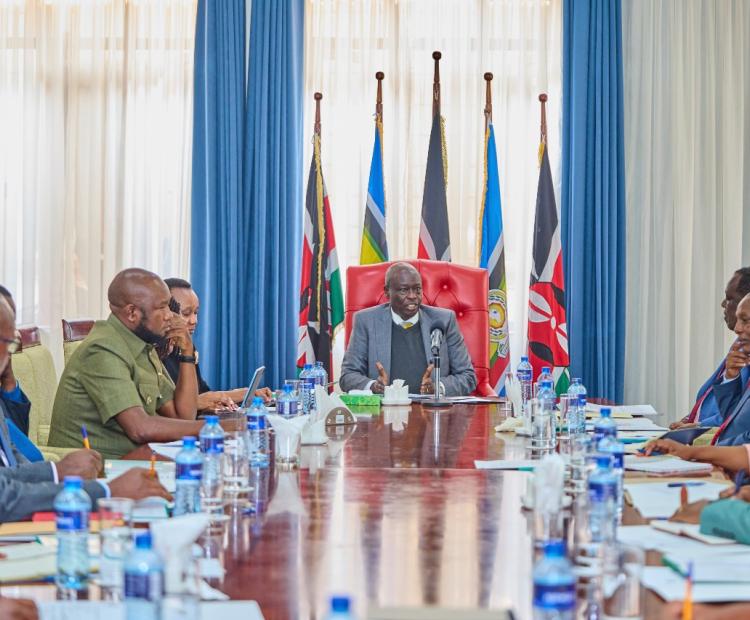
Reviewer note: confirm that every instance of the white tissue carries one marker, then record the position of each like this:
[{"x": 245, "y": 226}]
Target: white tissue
[
  {"x": 173, "y": 540},
  {"x": 513, "y": 393},
  {"x": 397, "y": 417},
  {"x": 285, "y": 429},
  {"x": 396, "y": 392},
  {"x": 549, "y": 477}
]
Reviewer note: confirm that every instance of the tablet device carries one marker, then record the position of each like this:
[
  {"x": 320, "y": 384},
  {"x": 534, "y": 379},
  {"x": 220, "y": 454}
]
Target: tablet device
[
  {"x": 686, "y": 435},
  {"x": 254, "y": 383}
]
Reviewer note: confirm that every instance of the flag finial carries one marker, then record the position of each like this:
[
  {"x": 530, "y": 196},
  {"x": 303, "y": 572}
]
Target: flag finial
[
  {"x": 488, "y": 102},
  {"x": 317, "y": 97},
  {"x": 436, "y": 55},
  {"x": 379, "y": 100},
  {"x": 543, "y": 131}
]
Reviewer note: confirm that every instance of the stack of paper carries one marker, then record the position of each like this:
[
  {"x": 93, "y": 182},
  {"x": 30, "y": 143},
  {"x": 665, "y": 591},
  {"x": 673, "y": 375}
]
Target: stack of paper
[
  {"x": 658, "y": 500},
  {"x": 665, "y": 466},
  {"x": 691, "y": 530},
  {"x": 651, "y": 539},
  {"x": 623, "y": 411},
  {"x": 671, "y": 587},
  {"x": 711, "y": 567}
]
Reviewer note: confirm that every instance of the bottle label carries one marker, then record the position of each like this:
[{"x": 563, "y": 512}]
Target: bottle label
[
  {"x": 618, "y": 460},
  {"x": 560, "y": 597},
  {"x": 72, "y": 520},
  {"x": 149, "y": 587},
  {"x": 524, "y": 375},
  {"x": 582, "y": 401},
  {"x": 189, "y": 471},
  {"x": 288, "y": 407},
  {"x": 602, "y": 491},
  {"x": 212, "y": 445},
  {"x": 256, "y": 423}
]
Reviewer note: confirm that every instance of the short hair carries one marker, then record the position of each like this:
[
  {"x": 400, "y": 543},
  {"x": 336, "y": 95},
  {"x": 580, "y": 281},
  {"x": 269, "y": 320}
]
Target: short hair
[
  {"x": 396, "y": 267},
  {"x": 177, "y": 283},
  {"x": 743, "y": 282},
  {"x": 5, "y": 292}
]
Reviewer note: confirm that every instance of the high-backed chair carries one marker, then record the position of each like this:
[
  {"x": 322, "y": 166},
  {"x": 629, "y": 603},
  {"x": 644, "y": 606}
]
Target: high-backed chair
[
  {"x": 445, "y": 285},
  {"x": 74, "y": 332},
  {"x": 35, "y": 371}
]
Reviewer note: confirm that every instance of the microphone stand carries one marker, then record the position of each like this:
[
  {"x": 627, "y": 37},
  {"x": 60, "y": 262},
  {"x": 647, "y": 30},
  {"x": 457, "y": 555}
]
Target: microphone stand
[{"x": 436, "y": 401}]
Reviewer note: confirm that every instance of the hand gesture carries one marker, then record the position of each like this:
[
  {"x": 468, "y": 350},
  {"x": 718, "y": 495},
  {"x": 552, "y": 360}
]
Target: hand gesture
[
  {"x": 427, "y": 387},
  {"x": 689, "y": 513},
  {"x": 137, "y": 483},
  {"x": 379, "y": 386},
  {"x": 179, "y": 334},
  {"x": 743, "y": 494},
  {"x": 84, "y": 463},
  {"x": 737, "y": 359}
]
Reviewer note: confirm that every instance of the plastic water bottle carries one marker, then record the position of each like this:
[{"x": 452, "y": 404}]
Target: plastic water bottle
[
  {"x": 323, "y": 374},
  {"x": 287, "y": 404},
  {"x": 260, "y": 486},
  {"x": 307, "y": 385},
  {"x": 257, "y": 434},
  {"x": 188, "y": 474},
  {"x": 544, "y": 425},
  {"x": 604, "y": 426},
  {"x": 612, "y": 446},
  {"x": 72, "y": 507},
  {"x": 144, "y": 581},
  {"x": 212, "y": 447},
  {"x": 340, "y": 608},
  {"x": 525, "y": 375},
  {"x": 602, "y": 501},
  {"x": 577, "y": 392},
  {"x": 554, "y": 585}
]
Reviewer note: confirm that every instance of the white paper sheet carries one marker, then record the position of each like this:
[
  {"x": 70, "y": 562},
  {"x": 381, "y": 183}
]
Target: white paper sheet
[
  {"x": 648, "y": 538},
  {"x": 99, "y": 610},
  {"x": 503, "y": 464},
  {"x": 657, "y": 500},
  {"x": 169, "y": 450},
  {"x": 712, "y": 568},
  {"x": 664, "y": 465},
  {"x": 634, "y": 410},
  {"x": 165, "y": 470},
  {"x": 671, "y": 587}
]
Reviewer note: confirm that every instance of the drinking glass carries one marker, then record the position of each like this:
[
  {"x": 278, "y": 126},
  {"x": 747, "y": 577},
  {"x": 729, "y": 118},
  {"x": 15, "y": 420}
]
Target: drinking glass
[
  {"x": 115, "y": 520},
  {"x": 287, "y": 449},
  {"x": 236, "y": 466},
  {"x": 622, "y": 595}
]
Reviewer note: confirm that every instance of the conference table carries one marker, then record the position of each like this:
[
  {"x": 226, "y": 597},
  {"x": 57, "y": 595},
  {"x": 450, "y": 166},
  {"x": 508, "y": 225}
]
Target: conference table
[{"x": 393, "y": 513}]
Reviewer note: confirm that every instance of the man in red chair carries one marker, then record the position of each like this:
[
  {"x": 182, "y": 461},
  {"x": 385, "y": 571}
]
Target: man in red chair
[{"x": 393, "y": 341}]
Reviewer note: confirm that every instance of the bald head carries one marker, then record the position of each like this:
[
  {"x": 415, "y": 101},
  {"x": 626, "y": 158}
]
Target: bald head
[
  {"x": 397, "y": 268},
  {"x": 403, "y": 288},
  {"x": 140, "y": 299}
]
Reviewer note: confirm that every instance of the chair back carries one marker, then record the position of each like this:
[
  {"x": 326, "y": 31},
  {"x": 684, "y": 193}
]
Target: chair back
[
  {"x": 445, "y": 285},
  {"x": 74, "y": 332},
  {"x": 35, "y": 370}
]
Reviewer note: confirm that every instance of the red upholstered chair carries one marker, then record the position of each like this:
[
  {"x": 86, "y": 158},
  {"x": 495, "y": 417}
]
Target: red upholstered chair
[{"x": 445, "y": 285}]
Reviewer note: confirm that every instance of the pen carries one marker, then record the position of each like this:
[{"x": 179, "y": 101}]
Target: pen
[
  {"x": 86, "y": 443},
  {"x": 687, "y": 604},
  {"x": 673, "y": 485},
  {"x": 152, "y": 470}
]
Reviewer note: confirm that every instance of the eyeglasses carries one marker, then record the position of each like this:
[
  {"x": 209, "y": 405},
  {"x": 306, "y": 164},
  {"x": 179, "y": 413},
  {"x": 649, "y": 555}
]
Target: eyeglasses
[{"x": 13, "y": 344}]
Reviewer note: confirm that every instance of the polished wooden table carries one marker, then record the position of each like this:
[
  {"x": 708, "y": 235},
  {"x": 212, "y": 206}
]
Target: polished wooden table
[{"x": 393, "y": 515}]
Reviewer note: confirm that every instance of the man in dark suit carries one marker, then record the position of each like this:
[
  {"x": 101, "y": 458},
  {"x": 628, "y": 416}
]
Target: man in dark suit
[
  {"x": 393, "y": 341},
  {"x": 17, "y": 406},
  {"x": 27, "y": 487}
]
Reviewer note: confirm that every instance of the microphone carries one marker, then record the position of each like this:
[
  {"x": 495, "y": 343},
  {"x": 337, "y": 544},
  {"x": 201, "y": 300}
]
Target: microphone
[{"x": 436, "y": 339}]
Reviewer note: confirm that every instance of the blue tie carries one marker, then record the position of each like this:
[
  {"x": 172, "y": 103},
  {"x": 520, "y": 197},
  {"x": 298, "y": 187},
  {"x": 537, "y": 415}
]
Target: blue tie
[{"x": 7, "y": 448}]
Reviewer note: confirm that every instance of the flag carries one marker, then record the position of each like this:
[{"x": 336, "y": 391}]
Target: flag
[
  {"x": 321, "y": 299},
  {"x": 548, "y": 335},
  {"x": 434, "y": 237},
  {"x": 492, "y": 258},
  {"x": 374, "y": 243}
]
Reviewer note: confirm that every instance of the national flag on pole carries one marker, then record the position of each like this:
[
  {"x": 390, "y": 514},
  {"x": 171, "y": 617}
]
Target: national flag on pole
[
  {"x": 374, "y": 243},
  {"x": 434, "y": 236},
  {"x": 321, "y": 299},
  {"x": 492, "y": 258},
  {"x": 548, "y": 333}
]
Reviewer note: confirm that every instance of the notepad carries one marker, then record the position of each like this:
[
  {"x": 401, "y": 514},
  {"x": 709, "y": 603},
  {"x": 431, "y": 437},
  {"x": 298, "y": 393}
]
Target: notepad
[
  {"x": 690, "y": 530},
  {"x": 648, "y": 538},
  {"x": 657, "y": 500},
  {"x": 623, "y": 411},
  {"x": 27, "y": 562},
  {"x": 665, "y": 466},
  {"x": 671, "y": 587},
  {"x": 712, "y": 568},
  {"x": 166, "y": 449},
  {"x": 164, "y": 469}
]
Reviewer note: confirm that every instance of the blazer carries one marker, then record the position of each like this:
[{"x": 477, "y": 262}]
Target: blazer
[
  {"x": 710, "y": 414},
  {"x": 17, "y": 411},
  {"x": 30, "y": 487},
  {"x": 370, "y": 342},
  {"x": 733, "y": 398}
]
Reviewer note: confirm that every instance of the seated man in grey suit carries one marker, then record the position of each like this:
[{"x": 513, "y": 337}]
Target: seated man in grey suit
[
  {"x": 393, "y": 341},
  {"x": 31, "y": 487}
]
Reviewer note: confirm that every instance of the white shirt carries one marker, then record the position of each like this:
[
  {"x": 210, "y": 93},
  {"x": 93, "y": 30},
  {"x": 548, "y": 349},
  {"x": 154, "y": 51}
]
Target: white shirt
[{"x": 399, "y": 321}]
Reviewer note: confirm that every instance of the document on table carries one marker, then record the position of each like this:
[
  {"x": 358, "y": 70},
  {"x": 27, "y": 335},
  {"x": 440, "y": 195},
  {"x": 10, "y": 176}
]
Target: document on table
[
  {"x": 711, "y": 567},
  {"x": 633, "y": 424},
  {"x": 624, "y": 411},
  {"x": 169, "y": 450},
  {"x": 648, "y": 538},
  {"x": 27, "y": 562},
  {"x": 691, "y": 530},
  {"x": 164, "y": 469},
  {"x": 657, "y": 500},
  {"x": 106, "y": 610},
  {"x": 671, "y": 587},
  {"x": 665, "y": 465},
  {"x": 525, "y": 464}
]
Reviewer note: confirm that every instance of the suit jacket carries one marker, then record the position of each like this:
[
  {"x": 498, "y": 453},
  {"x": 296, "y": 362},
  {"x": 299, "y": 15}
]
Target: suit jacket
[
  {"x": 734, "y": 398},
  {"x": 30, "y": 487},
  {"x": 370, "y": 342},
  {"x": 17, "y": 411},
  {"x": 710, "y": 413}
]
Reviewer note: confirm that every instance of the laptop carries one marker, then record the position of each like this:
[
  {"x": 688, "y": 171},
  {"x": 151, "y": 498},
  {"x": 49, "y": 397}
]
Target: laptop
[{"x": 254, "y": 384}]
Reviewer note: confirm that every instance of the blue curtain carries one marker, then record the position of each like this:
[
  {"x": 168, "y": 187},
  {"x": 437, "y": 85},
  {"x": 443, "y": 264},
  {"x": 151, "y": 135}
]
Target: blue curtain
[
  {"x": 593, "y": 193},
  {"x": 246, "y": 195}
]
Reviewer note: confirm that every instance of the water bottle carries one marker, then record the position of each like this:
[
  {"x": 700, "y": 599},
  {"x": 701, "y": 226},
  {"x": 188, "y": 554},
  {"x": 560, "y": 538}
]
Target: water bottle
[
  {"x": 188, "y": 474},
  {"x": 554, "y": 585},
  {"x": 72, "y": 507},
  {"x": 545, "y": 375},
  {"x": 525, "y": 374},
  {"x": 544, "y": 422},
  {"x": 287, "y": 404},
  {"x": 323, "y": 374},
  {"x": 578, "y": 393},
  {"x": 260, "y": 487},
  {"x": 340, "y": 608},
  {"x": 602, "y": 501},
  {"x": 612, "y": 446},
  {"x": 257, "y": 434},
  {"x": 604, "y": 426},
  {"x": 212, "y": 447},
  {"x": 307, "y": 386},
  {"x": 144, "y": 581}
]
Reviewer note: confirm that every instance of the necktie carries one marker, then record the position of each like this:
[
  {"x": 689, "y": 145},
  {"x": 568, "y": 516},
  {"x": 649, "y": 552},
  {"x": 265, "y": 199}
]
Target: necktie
[
  {"x": 407, "y": 324},
  {"x": 7, "y": 449}
]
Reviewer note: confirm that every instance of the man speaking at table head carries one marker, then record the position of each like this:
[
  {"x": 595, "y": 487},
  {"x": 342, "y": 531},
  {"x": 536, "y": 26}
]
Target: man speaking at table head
[{"x": 394, "y": 341}]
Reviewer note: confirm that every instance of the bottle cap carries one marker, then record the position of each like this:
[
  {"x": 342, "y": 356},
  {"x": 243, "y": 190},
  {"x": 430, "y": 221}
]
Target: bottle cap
[
  {"x": 605, "y": 412},
  {"x": 576, "y": 380},
  {"x": 545, "y": 369},
  {"x": 287, "y": 389},
  {"x": 188, "y": 442},
  {"x": 307, "y": 367},
  {"x": 340, "y": 604},
  {"x": 143, "y": 541},
  {"x": 524, "y": 358},
  {"x": 257, "y": 401},
  {"x": 73, "y": 482},
  {"x": 554, "y": 548},
  {"x": 211, "y": 419}
]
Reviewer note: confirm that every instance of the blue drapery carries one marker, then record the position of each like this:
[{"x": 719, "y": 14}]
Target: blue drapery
[
  {"x": 593, "y": 193},
  {"x": 247, "y": 184}
]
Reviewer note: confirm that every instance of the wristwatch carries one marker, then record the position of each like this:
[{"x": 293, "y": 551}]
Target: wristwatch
[{"x": 188, "y": 359}]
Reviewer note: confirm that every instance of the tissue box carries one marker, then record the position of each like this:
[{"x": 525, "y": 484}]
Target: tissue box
[{"x": 356, "y": 400}]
